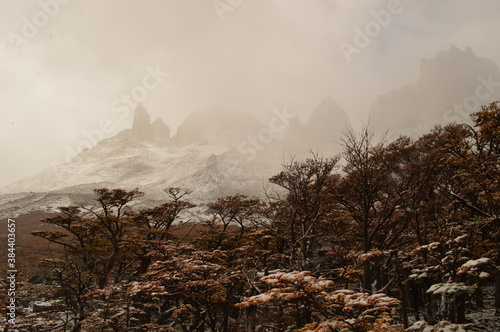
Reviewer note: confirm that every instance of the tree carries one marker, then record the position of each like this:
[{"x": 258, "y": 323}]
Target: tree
[
  {"x": 314, "y": 306},
  {"x": 154, "y": 227},
  {"x": 474, "y": 167},
  {"x": 366, "y": 191},
  {"x": 238, "y": 210},
  {"x": 92, "y": 239},
  {"x": 298, "y": 217}
]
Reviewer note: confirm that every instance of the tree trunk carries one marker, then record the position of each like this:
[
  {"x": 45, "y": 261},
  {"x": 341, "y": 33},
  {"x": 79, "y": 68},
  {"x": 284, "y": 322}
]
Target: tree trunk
[
  {"x": 460, "y": 307},
  {"x": 367, "y": 278},
  {"x": 143, "y": 267},
  {"x": 497, "y": 291},
  {"x": 403, "y": 288},
  {"x": 414, "y": 299},
  {"x": 251, "y": 313}
]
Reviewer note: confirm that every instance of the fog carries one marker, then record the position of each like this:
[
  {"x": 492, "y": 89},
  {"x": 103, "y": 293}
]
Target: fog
[{"x": 70, "y": 68}]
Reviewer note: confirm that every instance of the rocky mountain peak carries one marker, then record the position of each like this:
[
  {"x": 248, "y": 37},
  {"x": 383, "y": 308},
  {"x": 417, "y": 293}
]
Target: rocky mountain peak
[
  {"x": 142, "y": 128},
  {"x": 160, "y": 131},
  {"x": 450, "y": 86},
  {"x": 322, "y": 132},
  {"x": 328, "y": 110},
  {"x": 141, "y": 123}
]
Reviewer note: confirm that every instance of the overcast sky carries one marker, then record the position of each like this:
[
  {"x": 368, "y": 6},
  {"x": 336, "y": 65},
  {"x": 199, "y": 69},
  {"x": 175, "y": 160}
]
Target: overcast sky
[{"x": 65, "y": 65}]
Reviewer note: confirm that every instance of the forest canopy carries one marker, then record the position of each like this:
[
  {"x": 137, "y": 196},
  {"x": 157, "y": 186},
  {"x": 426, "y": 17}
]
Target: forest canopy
[{"x": 383, "y": 235}]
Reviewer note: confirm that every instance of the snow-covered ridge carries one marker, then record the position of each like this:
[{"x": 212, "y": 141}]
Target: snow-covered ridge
[{"x": 204, "y": 157}]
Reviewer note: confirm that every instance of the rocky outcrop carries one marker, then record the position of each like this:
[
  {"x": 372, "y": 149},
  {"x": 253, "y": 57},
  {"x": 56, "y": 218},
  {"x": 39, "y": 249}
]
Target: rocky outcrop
[
  {"x": 321, "y": 134},
  {"x": 142, "y": 129},
  {"x": 160, "y": 132},
  {"x": 450, "y": 86},
  {"x": 327, "y": 123},
  {"x": 142, "y": 123}
]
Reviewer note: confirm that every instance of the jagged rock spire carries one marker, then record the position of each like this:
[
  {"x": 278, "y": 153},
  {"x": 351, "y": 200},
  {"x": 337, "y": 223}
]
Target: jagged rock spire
[
  {"x": 142, "y": 128},
  {"x": 141, "y": 123},
  {"x": 160, "y": 131}
]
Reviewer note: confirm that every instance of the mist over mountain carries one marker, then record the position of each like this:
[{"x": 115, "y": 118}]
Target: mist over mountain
[
  {"x": 219, "y": 152},
  {"x": 216, "y": 126},
  {"x": 450, "y": 86},
  {"x": 230, "y": 165},
  {"x": 214, "y": 153},
  {"x": 157, "y": 132},
  {"x": 322, "y": 133}
]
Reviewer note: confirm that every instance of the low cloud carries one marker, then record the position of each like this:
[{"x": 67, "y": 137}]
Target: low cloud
[{"x": 263, "y": 54}]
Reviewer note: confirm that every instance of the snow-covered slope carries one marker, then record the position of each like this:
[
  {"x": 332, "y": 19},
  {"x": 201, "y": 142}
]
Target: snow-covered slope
[
  {"x": 208, "y": 171},
  {"x": 129, "y": 163},
  {"x": 205, "y": 157}
]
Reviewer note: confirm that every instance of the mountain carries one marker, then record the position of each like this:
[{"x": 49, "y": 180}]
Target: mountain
[
  {"x": 321, "y": 134},
  {"x": 157, "y": 132},
  {"x": 145, "y": 157},
  {"x": 214, "y": 153},
  {"x": 450, "y": 86},
  {"x": 220, "y": 152},
  {"x": 216, "y": 126}
]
